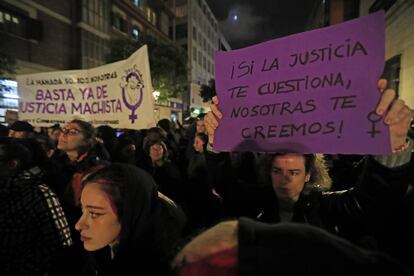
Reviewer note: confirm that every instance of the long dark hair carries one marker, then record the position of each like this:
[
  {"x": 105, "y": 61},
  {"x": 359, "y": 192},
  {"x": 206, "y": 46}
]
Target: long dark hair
[
  {"x": 150, "y": 224},
  {"x": 133, "y": 196}
]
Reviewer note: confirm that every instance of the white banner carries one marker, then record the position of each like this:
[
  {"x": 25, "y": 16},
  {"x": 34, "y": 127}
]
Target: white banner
[{"x": 117, "y": 94}]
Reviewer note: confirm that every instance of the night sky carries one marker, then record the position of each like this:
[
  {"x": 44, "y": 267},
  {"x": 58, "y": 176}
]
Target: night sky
[{"x": 260, "y": 20}]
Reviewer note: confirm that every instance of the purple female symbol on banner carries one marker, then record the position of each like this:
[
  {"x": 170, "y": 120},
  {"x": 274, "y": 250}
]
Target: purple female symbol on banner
[{"x": 132, "y": 93}]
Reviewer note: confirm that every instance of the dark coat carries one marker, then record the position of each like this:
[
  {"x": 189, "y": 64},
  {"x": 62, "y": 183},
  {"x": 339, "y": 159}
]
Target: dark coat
[
  {"x": 168, "y": 178},
  {"x": 33, "y": 227}
]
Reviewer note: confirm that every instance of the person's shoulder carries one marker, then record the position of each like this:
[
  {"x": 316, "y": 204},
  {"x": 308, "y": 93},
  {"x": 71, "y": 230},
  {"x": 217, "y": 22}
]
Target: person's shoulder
[{"x": 26, "y": 193}]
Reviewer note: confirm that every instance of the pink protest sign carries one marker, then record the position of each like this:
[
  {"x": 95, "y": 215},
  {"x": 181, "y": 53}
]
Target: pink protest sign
[{"x": 311, "y": 92}]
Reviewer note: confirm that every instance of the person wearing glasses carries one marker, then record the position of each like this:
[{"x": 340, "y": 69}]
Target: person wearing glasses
[{"x": 74, "y": 159}]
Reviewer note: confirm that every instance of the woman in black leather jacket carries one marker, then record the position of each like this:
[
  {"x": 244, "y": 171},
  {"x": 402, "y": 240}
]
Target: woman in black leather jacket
[{"x": 347, "y": 213}]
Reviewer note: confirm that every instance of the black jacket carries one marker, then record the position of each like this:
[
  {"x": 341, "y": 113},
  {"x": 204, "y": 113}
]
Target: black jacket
[
  {"x": 298, "y": 249},
  {"x": 348, "y": 213}
]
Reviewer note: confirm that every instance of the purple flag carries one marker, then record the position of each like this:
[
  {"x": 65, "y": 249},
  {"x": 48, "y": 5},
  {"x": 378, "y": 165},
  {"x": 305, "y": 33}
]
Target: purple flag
[{"x": 310, "y": 92}]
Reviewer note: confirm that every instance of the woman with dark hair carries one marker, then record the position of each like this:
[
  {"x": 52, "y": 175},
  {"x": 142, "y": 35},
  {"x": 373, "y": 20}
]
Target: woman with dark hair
[
  {"x": 203, "y": 203},
  {"x": 124, "y": 213},
  {"x": 165, "y": 172},
  {"x": 74, "y": 159}
]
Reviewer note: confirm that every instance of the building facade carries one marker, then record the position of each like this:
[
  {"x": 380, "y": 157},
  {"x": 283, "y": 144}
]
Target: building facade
[
  {"x": 50, "y": 35},
  {"x": 198, "y": 31},
  {"x": 399, "y": 35},
  {"x": 399, "y": 44}
]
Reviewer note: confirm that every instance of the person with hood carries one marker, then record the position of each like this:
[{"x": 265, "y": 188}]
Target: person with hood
[
  {"x": 164, "y": 171},
  {"x": 126, "y": 224}
]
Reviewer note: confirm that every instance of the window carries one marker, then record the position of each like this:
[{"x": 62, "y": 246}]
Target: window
[
  {"x": 136, "y": 3},
  {"x": 200, "y": 58},
  {"x": 194, "y": 53},
  {"x": 194, "y": 33},
  {"x": 151, "y": 16},
  {"x": 95, "y": 12},
  {"x": 204, "y": 63},
  {"x": 351, "y": 9},
  {"x": 381, "y": 5},
  {"x": 94, "y": 50},
  {"x": 9, "y": 99},
  {"x": 181, "y": 31},
  {"x": 118, "y": 22},
  {"x": 11, "y": 23},
  {"x": 135, "y": 32}
]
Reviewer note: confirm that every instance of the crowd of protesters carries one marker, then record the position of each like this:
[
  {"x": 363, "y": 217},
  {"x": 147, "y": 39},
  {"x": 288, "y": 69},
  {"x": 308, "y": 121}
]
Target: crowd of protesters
[{"x": 132, "y": 197}]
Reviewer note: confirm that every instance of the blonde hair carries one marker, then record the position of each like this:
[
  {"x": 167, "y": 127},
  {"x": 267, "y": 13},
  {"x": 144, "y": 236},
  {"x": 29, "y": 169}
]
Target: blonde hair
[{"x": 315, "y": 166}]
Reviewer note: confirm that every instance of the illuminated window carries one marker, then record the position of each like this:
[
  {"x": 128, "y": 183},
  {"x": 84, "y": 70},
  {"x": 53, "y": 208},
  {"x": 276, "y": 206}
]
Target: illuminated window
[
  {"x": 135, "y": 32},
  {"x": 151, "y": 16},
  {"x": 136, "y": 3},
  {"x": 14, "y": 24}
]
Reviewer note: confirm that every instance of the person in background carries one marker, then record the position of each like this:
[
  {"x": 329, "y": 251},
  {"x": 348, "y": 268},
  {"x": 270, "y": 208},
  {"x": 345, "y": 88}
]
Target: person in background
[
  {"x": 54, "y": 132},
  {"x": 165, "y": 173},
  {"x": 74, "y": 159},
  {"x": 200, "y": 125},
  {"x": 76, "y": 155},
  {"x": 197, "y": 126},
  {"x": 123, "y": 212},
  {"x": 48, "y": 145},
  {"x": 34, "y": 230},
  {"x": 247, "y": 247},
  {"x": 203, "y": 204},
  {"x": 20, "y": 129},
  {"x": 126, "y": 151},
  {"x": 107, "y": 135}
]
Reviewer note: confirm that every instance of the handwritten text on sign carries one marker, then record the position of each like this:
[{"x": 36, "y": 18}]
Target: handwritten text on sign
[{"x": 311, "y": 92}]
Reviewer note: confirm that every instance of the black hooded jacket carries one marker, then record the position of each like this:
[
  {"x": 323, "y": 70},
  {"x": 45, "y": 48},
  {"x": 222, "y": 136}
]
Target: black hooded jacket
[{"x": 151, "y": 228}]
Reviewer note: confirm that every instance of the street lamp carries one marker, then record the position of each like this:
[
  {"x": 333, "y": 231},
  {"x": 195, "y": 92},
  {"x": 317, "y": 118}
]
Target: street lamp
[{"x": 156, "y": 94}]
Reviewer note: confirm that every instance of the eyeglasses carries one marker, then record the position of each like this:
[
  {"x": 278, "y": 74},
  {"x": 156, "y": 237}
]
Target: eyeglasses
[{"x": 70, "y": 131}]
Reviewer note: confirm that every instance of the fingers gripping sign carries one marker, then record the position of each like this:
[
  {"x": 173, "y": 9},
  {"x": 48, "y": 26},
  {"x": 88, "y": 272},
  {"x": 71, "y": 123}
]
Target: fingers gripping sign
[
  {"x": 396, "y": 114},
  {"x": 211, "y": 119}
]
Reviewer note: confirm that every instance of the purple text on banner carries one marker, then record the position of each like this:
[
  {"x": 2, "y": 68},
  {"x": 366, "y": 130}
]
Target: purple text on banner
[{"x": 314, "y": 92}]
